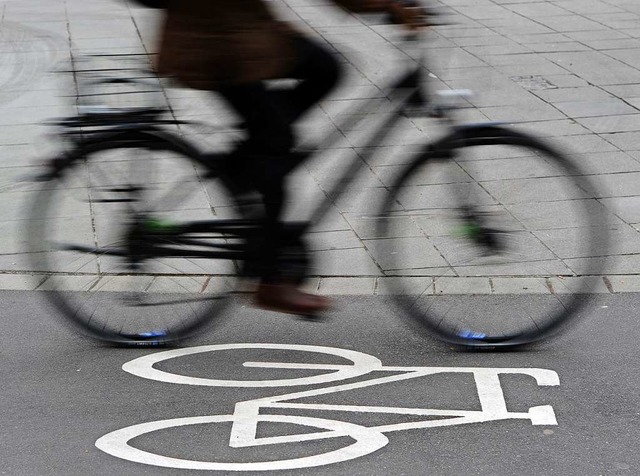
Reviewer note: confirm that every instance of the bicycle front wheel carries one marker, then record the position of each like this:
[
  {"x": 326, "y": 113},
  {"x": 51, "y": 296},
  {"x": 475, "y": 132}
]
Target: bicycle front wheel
[
  {"x": 89, "y": 233},
  {"x": 491, "y": 238}
]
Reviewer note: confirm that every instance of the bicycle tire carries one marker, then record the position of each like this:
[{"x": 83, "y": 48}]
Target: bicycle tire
[
  {"x": 82, "y": 203},
  {"x": 533, "y": 206}
]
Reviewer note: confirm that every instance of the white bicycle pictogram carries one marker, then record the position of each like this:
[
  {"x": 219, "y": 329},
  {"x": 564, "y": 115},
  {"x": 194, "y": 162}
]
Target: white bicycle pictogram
[{"x": 367, "y": 439}]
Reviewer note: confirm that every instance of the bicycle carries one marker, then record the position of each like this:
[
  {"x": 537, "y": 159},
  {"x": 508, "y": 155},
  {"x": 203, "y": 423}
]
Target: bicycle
[
  {"x": 465, "y": 209},
  {"x": 246, "y": 423}
]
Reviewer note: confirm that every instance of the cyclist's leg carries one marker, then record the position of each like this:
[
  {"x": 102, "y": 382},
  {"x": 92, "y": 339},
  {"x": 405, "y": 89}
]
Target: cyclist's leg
[
  {"x": 255, "y": 161},
  {"x": 268, "y": 116},
  {"x": 318, "y": 72},
  {"x": 270, "y": 140},
  {"x": 269, "y": 113}
]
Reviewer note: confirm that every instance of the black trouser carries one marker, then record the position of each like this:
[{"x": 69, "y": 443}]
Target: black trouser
[{"x": 268, "y": 115}]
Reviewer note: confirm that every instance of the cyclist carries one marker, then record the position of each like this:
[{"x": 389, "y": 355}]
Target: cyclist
[{"x": 234, "y": 47}]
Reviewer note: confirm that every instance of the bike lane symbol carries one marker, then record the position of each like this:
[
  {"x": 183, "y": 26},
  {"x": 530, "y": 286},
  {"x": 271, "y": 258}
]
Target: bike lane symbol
[{"x": 246, "y": 415}]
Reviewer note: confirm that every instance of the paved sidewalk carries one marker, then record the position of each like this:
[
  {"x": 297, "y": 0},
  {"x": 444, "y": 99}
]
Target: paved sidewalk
[{"x": 568, "y": 70}]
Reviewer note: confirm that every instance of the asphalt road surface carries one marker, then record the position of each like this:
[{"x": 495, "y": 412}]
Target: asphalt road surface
[{"x": 358, "y": 394}]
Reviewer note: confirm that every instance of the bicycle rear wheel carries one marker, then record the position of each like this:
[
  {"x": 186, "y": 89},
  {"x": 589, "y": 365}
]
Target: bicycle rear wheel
[
  {"x": 491, "y": 238},
  {"x": 103, "y": 277}
]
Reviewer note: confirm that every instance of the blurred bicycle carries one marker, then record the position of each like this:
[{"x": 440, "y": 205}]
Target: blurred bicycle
[{"x": 142, "y": 241}]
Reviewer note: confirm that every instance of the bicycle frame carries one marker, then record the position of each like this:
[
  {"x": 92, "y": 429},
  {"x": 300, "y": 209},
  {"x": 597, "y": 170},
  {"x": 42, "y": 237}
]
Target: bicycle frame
[{"x": 139, "y": 131}]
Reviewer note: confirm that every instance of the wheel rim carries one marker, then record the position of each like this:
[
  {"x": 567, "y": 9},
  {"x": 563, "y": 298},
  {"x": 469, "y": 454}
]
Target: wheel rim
[
  {"x": 547, "y": 266},
  {"x": 88, "y": 203}
]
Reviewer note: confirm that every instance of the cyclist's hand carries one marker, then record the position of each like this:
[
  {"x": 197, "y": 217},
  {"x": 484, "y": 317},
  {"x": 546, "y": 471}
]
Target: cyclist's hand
[{"x": 409, "y": 13}]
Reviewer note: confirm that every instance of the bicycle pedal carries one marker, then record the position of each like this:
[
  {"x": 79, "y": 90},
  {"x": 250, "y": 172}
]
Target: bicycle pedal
[{"x": 320, "y": 317}]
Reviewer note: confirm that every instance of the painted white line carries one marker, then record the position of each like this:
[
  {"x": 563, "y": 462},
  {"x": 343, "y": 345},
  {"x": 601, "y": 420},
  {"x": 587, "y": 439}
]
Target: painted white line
[
  {"x": 366, "y": 441},
  {"x": 248, "y": 414},
  {"x": 361, "y": 364}
]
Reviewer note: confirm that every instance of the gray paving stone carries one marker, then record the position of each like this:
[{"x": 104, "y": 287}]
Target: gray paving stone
[
  {"x": 488, "y": 40},
  {"x": 586, "y": 7},
  {"x": 123, "y": 283},
  {"x": 540, "y": 68},
  {"x": 223, "y": 284},
  {"x": 518, "y": 113},
  {"x": 69, "y": 283},
  {"x": 490, "y": 47},
  {"x": 574, "y": 284},
  {"x": 621, "y": 23},
  {"x": 366, "y": 226},
  {"x": 564, "y": 46},
  {"x": 20, "y": 135},
  {"x": 606, "y": 162},
  {"x": 510, "y": 48},
  {"x": 603, "y": 34},
  {"x": 624, "y": 140},
  {"x": 334, "y": 240},
  {"x": 624, "y": 90},
  {"x": 415, "y": 252},
  {"x": 549, "y": 215},
  {"x": 594, "y": 67},
  {"x": 441, "y": 196},
  {"x": 415, "y": 286},
  {"x": 332, "y": 221},
  {"x": 507, "y": 169},
  {"x": 625, "y": 284},
  {"x": 627, "y": 208},
  {"x": 519, "y": 269},
  {"x": 632, "y": 32},
  {"x": 566, "y": 80},
  {"x": 611, "y": 107},
  {"x": 542, "y": 38},
  {"x": 519, "y": 286},
  {"x": 464, "y": 31},
  {"x": 570, "y": 243},
  {"x": 177, "y": 284},
  {"x": 617, "y": 185},
  {"x": 346, "y": 263},
  {"x": 568, "y": 23},
  {"x": 585, "y": 144},
  {"x": 366, "y": 200},
  {"x": 530, "y": 190},
  {"x": 19, "y": 282},
  {"x": 590, "y": 93},
  {"x": 619, "y": 44},
  {"x": 562, "y": 127},
  {"x": 538, "y": 10},
  {"x": 612, "y": 265},
  {"x": 430, "y": 174},
  {"x": 612, "y": 123},
  {"x": 483, "y": 12},
  {"x": 462, "y": 285},
  {"x": 347, "y": 286},
  {"x": 516, "y": 59}
]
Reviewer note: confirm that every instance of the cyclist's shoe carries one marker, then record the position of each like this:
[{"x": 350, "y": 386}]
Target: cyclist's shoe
[{"x": 289, "y": 299}]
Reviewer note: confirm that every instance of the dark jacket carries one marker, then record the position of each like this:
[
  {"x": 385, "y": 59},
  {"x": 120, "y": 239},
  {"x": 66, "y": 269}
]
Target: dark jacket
[{"x": 207, "y": 44}]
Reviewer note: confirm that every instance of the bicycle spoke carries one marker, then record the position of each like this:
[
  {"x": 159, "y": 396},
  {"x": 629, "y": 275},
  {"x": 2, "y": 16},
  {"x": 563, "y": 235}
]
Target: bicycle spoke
[
  {"x": 481, "y": 229},
  {"x": 145, "y": 285}
]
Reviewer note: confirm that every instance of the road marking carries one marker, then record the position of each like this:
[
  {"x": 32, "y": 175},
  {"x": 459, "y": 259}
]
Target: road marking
[
  {"x": 362, "y": 364},
  {"x": 248, "y": 414},
  {"x": 367, "y": 441}
]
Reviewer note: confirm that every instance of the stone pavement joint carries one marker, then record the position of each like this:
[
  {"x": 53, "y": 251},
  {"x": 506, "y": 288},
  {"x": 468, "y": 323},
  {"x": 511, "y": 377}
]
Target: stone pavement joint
[
  {"x": 567, "y": 70},
  {"x": 337, "y": 286}
]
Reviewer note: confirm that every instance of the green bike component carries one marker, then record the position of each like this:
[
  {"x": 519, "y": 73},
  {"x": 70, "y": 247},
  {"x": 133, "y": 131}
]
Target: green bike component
[
  {"x": 468, "y": 230},
  {"x": 161, "y": 226}
]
